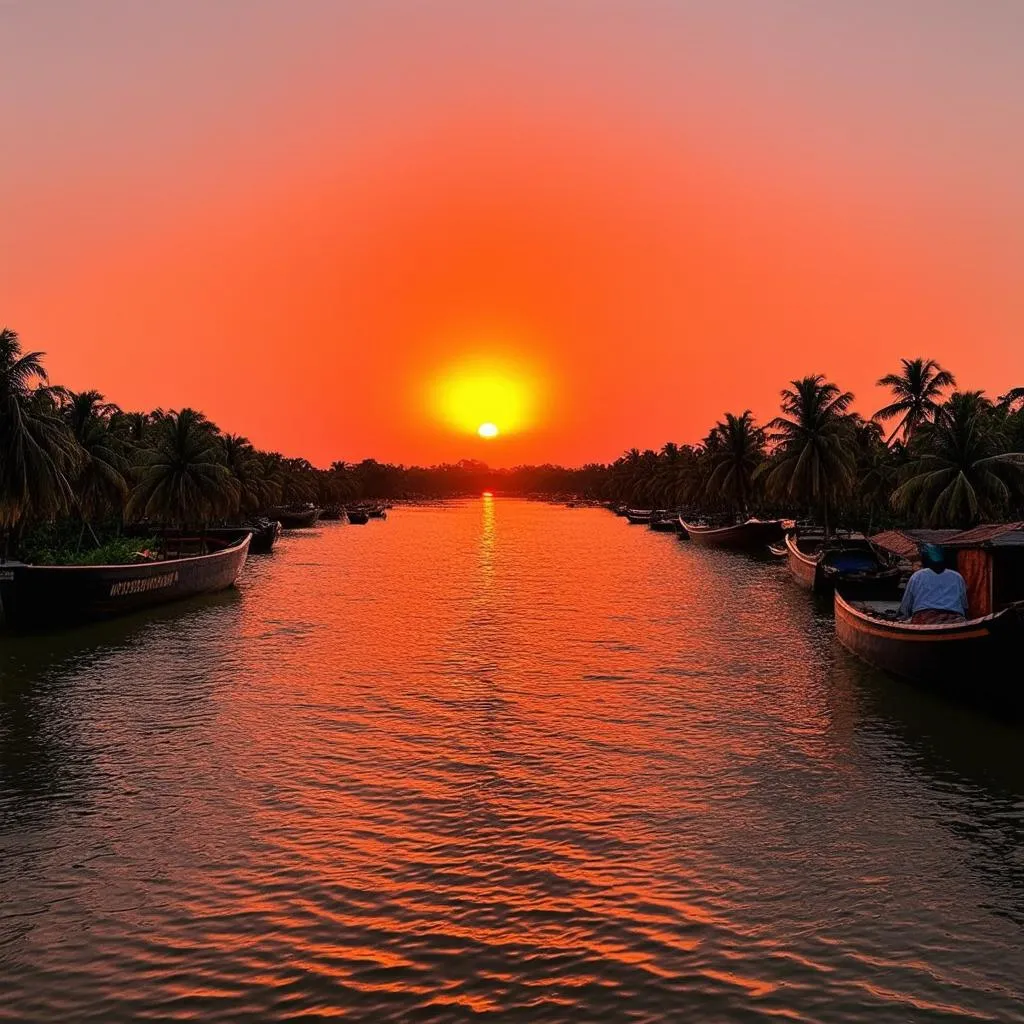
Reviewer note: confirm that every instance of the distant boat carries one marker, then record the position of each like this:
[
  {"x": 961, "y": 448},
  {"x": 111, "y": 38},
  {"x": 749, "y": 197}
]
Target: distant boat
[
  {"x": 296, "y": 517},
  {"x": 377, "y": 512},
  {"x": 358, "y": 516},
  {"x": 848, "y": 562},
  {"x": 44, "y": 596},
  {"x": 752, "y": 535},
  {"x": 970, "y": 659},
  {"x": 265, "y": 533},
  {"x": 331, "y": 512},
  {"x": 665, "y": 522},
  {"x": 639, "y": 515}
]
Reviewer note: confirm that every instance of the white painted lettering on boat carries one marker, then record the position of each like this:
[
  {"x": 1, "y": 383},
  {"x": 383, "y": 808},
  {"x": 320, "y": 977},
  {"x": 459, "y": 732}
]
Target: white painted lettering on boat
[{"x": 143, "y": 586}]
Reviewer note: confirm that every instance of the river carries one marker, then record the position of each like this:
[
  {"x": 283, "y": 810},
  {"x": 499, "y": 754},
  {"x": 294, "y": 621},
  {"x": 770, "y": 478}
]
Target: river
[{"x": 498, "y": 760}]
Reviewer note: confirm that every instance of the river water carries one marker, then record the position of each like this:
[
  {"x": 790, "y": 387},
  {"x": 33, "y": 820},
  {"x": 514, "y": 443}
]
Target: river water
[{"x": 498, "y": 760}]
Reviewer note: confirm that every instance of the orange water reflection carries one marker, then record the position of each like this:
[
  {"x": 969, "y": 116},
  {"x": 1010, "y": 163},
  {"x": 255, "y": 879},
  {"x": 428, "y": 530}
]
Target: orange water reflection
[{"x": 503, "y": 758}]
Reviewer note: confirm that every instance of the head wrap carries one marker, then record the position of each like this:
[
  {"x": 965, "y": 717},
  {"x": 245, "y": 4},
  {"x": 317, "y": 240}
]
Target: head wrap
[{"x": 931, "y": 554}]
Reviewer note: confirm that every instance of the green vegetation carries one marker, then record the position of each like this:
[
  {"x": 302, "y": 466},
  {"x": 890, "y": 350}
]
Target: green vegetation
[{"x": 72, "y": 460}]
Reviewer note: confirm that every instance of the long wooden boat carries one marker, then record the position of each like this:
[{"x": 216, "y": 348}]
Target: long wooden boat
[
  {"x": 639, "y": 515},
  {"x": 972, "y": 659},
  {"x": 296, "y": 518},
  {"x": 848, "y": 562},
  {"x": 753, "y": 535},
  {"x": 41, "y": 596},
  {"x": 265, "y": 533},
  {"x": 358, "y": 516}
]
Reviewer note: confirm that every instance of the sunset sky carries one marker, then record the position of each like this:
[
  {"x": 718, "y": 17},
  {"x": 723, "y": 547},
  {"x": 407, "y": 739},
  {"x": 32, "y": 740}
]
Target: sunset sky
[{"x": 361, "y": 229}]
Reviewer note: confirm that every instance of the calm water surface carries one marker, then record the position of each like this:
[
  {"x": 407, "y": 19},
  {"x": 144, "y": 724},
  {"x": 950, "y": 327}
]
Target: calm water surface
[{"x": 498, "y": 760}]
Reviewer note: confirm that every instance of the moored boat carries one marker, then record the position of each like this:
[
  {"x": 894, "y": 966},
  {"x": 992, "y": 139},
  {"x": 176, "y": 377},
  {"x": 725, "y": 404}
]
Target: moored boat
[
  {"x": 331, "y": 512},
  {"x": 848, "y": 562},
  {"x": 377, "y": 512},
  {"x": 752, "y": 535},
  {"x": 296, "y": 517},
  {"x": 42, "y": 596},
  {"x": 358, "y": 516},
  {"x": 665, "y": 522},
  {"x": 639, "y": 515},
  {"x": 969, "y": 659}
]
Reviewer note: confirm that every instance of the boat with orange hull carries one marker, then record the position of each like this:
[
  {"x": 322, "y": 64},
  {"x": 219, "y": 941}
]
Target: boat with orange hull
[
  {"x": 44, "y": 596},
  {"x": 752, "y": 535},
  {"x": 970, "y": 659}
]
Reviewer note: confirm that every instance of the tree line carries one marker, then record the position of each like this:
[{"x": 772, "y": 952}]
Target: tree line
[{"x": 933, "y": 456}]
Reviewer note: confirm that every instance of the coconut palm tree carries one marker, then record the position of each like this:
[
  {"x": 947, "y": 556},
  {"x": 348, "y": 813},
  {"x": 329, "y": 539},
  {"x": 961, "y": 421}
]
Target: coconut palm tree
[
  {"x": 37, "y": 452},
  {"x": 100, "y": 484},
  {"x": 241, "y": 460},
  {"x": 960, "y": 471},
  {"x": 734, "y": 458},
  {"x": 814, "y": 461},
  {"x": 183, "y": 479},
  {"x": 1013, "y": 400},
  {"x": 917, "y": 391}
]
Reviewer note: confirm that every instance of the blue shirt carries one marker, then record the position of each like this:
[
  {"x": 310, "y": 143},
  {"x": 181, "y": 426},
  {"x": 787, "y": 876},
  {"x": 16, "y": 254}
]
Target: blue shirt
[{"x": 934, "y": 591}]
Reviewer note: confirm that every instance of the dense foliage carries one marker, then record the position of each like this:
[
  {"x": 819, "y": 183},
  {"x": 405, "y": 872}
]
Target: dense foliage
[{"x": 77, "y": 460}]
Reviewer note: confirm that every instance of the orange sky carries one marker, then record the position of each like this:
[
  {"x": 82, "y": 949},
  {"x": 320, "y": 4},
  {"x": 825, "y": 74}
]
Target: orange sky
[{"x": 297, "y": 217}]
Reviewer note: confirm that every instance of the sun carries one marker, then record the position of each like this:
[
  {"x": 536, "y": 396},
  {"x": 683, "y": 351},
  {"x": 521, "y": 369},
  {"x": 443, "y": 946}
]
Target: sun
[{"x": 485, "y": 395}]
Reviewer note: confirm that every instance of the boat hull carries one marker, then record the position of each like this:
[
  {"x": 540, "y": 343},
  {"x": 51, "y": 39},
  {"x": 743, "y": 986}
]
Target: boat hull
[
  {"x": 357, "y": 518},
  {"x": 802, "y": 567},
  {"x": 968, "y": 659},
  {"x": 665, "y": 525},
  {"x": 753, "y": 535},
  {"x": 42, "y": 596},
  {"x": 297, "y": 520}
]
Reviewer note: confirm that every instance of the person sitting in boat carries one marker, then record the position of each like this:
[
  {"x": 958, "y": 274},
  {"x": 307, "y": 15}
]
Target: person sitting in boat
[{"x": 934, "y": 594}]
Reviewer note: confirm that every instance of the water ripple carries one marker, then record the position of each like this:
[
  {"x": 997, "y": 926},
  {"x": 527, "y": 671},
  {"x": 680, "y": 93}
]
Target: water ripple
[{"x": 504, "y": 761}]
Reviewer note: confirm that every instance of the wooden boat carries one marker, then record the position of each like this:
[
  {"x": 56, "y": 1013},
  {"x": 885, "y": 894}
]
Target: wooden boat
[
  {"x": 752, "y": 535},
  {"x": 358, "y": 516},
  {"x": 970, "y": 659},
  {"x": 847, "y": 562},
  {"x": 664, "y": 523},
  {"x": 778, "y": 550},
  {"x": 639, "y": 515},
  {"x": 265, "y": 533},
  {"x": 331, "y": 512},
  {"x": 296, "y": 517},
  {"x": 376, "y": 512},
  {"x": 43, "y": 596}
]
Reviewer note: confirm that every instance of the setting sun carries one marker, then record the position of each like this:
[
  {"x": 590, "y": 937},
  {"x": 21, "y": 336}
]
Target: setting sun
[{"x": 476, "y": 395}]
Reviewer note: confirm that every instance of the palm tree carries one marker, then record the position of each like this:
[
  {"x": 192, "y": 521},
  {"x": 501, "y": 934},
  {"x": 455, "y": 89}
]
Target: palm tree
[
  {"x": 960, "y": 471},
  {"x": 240, "y": 457},
  {"x": 183, "y": 478},
  {"x": 100, "y": 483},
  {"x": 1013, "y": 400},
  {"x": 917, "y": 391},
  {"x": 814, "y": 459},
  {"x": 733, "y": 460},
  {"x": 37, "y": 452}
]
